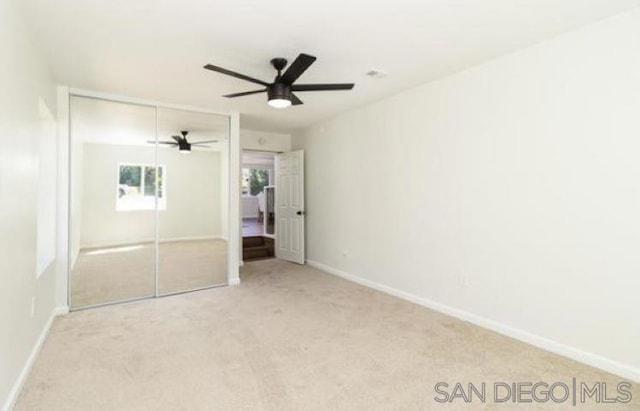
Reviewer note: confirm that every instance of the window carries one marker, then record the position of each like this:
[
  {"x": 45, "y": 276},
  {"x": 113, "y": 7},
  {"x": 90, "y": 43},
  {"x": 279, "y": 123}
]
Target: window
[
  {"x": 254, "y": 180},
  {"x": 137, "y": 187}
]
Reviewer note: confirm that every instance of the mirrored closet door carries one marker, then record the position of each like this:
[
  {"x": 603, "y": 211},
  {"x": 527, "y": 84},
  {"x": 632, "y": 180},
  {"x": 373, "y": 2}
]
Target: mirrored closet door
[
  {"x": 148, "y": 203},
  {"x": 192, "y": 243}
]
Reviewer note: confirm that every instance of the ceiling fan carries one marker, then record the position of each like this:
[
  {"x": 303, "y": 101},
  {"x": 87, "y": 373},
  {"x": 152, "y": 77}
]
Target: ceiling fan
[
  {"x": 184, "y": 146},
  {"x": 280, "y": 92}
]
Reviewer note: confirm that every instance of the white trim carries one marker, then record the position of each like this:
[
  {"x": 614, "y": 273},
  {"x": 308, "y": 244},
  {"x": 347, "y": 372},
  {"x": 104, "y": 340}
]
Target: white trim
[
  {"x": 156, "y": 211},
  {"x": 63, "y": 249},
  {"x": 144, "y": 102},
  {"x": 234, "y": 250},
  {"x": 62, "y": 310},
  {"x": 24, "y": 373},
  {"x": 555, "y": 347}
]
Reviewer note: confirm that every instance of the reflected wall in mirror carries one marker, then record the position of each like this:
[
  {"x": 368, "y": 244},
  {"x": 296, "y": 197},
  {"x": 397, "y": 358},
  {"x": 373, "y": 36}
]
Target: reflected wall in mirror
[
  {"x": 192, "y": 243},
  {"x": 112, "y": 224}
]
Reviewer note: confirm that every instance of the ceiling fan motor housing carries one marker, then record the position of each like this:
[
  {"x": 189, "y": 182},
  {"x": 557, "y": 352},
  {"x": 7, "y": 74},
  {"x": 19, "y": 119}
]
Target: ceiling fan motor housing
[
  {"x": 279, "y": 91},
  {"x": 184, "y": 146}
]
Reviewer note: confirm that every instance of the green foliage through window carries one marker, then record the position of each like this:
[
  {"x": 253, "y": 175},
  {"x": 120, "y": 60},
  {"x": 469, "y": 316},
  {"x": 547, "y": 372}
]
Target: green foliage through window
[
  {"x": 254, "y": 181},
  {"x": 258, "y": 179},
  {"x": 130, "y": 175},
  {"x": 150, "y": 181}
]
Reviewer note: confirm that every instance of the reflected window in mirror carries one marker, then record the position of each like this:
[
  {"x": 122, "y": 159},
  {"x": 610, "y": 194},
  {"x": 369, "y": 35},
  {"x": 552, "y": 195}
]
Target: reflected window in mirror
[{"x": 137, "y": 187}]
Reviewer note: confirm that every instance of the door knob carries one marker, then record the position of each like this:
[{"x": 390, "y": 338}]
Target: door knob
[{"x": 300, "y": 213}]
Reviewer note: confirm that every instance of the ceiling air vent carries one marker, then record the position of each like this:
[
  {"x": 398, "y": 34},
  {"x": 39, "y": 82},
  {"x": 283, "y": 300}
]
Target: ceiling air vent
[{"x": 377, "y": 74}]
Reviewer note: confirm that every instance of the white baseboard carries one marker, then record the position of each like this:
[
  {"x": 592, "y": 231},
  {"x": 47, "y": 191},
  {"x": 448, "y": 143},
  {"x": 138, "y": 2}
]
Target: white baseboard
[
  {"x": 194, "y": 238},
  {"x": 564, "y": 350},
  {"x": 62, "y": 310},
  {"x": 151, "y": 240},
  {"x": 22, "y": 377}
]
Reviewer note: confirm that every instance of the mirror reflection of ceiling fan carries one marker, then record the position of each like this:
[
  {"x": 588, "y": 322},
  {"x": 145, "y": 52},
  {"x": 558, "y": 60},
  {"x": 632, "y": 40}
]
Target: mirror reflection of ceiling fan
[{"x": 184, "y": 146}]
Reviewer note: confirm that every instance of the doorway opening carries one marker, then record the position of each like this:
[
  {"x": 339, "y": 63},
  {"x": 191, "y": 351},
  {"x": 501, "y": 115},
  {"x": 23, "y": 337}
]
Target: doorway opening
[
  {"x": 258, "y": 205},
  {"x": 273, "y": 215}
]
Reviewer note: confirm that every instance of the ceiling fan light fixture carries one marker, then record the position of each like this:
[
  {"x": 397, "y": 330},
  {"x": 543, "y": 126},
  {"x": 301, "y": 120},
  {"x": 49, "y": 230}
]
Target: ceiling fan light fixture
[
  {"x": 279, "y": 95},
  {"x": 279, "y": 103}
]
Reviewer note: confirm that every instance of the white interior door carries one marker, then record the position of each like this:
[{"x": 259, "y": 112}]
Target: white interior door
[{"x": 290, "y": 206}]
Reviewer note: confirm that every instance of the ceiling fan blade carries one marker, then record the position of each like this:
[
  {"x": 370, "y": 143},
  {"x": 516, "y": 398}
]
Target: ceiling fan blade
[
  {"x": 295, "y": 101},
  {"x": 322, "y": 87},
  {"x": 234, "y": 74},
  {"x": 246, "y": 93},
  {"x": 200, "y": 146},
  {"x": 178, "y": 139},
  {"x": 295, "y": 70},
  {"x": 162, "y": 142},
  {"x": 204, "y": 142}
]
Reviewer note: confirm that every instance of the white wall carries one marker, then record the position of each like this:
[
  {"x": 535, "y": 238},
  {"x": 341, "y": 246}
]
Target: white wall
[
  {"x": 264, "y": 141},
  {"x": 26, "y": 84},
  {"x": 193, "y": 193},
  {"x": 508, "y": 194},
  {"x": 250, "y": 207}
]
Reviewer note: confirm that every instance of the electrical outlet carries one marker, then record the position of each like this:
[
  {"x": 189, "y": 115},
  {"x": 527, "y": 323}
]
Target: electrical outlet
[
  {"x": 465, "y": 280},
  {"x": 33, "y": 307}
]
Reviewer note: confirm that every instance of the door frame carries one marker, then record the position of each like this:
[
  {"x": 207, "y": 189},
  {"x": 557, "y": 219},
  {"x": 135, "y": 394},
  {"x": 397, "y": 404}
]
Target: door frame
[{"x": 63, "y": 266}]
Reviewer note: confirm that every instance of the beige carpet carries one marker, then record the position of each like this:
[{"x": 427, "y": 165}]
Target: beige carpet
[
  {"x": 288, "y": 338},
  {"x": 127, "y": 272}
]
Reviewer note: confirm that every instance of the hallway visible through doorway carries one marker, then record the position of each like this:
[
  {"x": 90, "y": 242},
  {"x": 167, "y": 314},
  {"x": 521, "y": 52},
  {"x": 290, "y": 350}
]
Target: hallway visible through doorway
[
  {"x": 252, "y": 226},
  {"x": 258, "y": 211}
]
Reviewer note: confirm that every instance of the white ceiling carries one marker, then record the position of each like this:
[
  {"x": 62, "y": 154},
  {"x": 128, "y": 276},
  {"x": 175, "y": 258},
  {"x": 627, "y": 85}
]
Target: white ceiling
[
  {"x": 155, "y": 49},
  {"x": 108, "y": 122}
]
